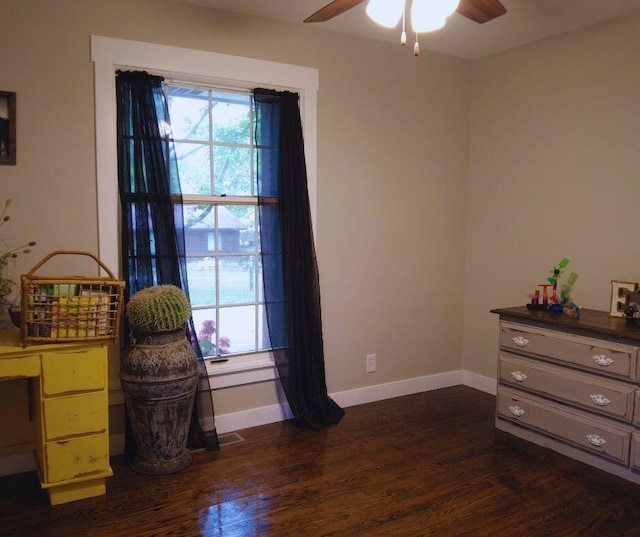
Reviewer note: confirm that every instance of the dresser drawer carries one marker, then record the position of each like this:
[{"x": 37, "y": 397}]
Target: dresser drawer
[
  {"x": 571, "y": 426},
  {"x": 75, "y": 415},
  {"x": 636, "y": 414},
  {"x": 608, "y": 397},
  {"x": 73, "y": 371},
  {"x": 76, "y": 458},
  {"x": 635, "y": 451},
  {"x": 604, "y": 357}
]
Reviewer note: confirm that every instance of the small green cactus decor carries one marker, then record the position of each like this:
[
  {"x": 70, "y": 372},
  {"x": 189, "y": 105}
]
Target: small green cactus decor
[{"x": 160, "y": 308}]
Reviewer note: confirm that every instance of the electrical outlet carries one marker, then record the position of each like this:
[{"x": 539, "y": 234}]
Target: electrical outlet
[{"x": 371, "y": 363}]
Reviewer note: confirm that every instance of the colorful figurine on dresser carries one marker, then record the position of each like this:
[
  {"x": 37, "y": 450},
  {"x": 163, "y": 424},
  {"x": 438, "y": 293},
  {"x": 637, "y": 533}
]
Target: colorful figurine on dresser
[{"x": 551, "y": 300}]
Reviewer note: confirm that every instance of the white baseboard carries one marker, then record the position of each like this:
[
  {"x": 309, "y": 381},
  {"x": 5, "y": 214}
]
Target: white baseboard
[
  {"x": 236, "y": 421},
  {"x": 379, "y": 392},
  {"x": 484, "y": 384},
  {"x": 18, "y": 463}
]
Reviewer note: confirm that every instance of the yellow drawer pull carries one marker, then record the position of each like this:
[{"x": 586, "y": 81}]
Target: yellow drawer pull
[
  {"x": 596, "y": 440},
  {"x": 519, "y": 376},
  {"x": 603, "y": 360},
  {"x": 516, "y": 411},
  {"x": 600, "y": 399},
  {"x": 521, "y": 341}
]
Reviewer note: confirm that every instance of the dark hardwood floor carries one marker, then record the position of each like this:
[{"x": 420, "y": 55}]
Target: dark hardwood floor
[{"x": 425, "y": 464}]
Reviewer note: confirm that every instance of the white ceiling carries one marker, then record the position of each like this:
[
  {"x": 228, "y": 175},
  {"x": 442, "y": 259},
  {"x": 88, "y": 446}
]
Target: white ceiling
[{"x": 524, "y": 22}]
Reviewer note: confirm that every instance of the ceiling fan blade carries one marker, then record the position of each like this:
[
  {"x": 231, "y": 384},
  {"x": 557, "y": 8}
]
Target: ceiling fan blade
[
  {"x": 335, "y": 8},
  {"x": 481, "y": 10}
]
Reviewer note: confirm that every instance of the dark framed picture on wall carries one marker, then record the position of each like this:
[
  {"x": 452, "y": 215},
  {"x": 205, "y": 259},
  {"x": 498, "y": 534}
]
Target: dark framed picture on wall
[{"x": 7, "y": 127}]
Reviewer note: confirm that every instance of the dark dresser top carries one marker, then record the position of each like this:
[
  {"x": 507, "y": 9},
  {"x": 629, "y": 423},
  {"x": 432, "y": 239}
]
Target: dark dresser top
[{"x": 592, "y": 322}]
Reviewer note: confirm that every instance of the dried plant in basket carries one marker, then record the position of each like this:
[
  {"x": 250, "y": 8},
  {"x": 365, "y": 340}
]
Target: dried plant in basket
[{"x": 6, "y": 282}]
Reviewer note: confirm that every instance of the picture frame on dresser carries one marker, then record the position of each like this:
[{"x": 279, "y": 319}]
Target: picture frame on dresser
[
  {"x": 7, "y": 128},
  {"x": 619, "y": 297}
]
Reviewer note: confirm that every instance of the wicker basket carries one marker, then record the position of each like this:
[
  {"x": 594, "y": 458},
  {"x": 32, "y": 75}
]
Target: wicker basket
[{"x": 70, "y": 308}]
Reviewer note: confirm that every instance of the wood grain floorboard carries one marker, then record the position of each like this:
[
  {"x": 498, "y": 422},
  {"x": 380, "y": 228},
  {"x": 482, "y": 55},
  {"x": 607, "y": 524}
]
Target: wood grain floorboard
[{"x": 430, "y": 464}]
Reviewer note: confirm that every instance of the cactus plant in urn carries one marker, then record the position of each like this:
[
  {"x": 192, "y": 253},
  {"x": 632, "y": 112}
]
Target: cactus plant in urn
[{"x": 159, "y": 378}]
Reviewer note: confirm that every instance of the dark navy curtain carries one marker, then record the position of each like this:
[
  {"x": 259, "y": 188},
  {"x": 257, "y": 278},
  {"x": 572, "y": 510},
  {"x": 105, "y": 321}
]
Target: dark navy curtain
[
  {"x": 290, "y": 271},
  {"x": 152, "y": 227}
]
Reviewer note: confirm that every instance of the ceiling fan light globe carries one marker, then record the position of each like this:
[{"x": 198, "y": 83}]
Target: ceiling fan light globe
[
  {"x": 441, "y": 8},
  {"x": 387, "y": 13},
  {"x": 430, "y": 15},
  {"x": 427, "y": 25}
]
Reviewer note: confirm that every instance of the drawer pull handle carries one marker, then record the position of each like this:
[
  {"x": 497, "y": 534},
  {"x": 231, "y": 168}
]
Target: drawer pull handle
[
  {"x": 596, "y": 440},
  {"x": 600, "y": 399},
  {"x": 519, "y": 376},
  {"x": 603, "y": 360},
  {"x": 516, "y": 410},
  {"x": 521, "y": 341}
]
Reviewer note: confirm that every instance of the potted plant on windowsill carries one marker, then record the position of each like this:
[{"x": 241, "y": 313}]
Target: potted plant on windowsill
[{"x": 159, "y": 377}]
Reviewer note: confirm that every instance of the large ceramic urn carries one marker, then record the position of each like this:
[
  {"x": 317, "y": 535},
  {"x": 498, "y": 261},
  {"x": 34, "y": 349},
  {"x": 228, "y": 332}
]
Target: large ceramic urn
[{"x": 159, "y": 377}]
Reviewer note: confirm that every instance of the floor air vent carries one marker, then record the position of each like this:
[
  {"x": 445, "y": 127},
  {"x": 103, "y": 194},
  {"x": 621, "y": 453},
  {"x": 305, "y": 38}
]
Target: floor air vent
[{"x": 229, "y": 438}]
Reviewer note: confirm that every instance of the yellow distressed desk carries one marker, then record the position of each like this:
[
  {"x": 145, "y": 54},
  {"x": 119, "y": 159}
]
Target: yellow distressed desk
[{"x": 68, "y": 410}]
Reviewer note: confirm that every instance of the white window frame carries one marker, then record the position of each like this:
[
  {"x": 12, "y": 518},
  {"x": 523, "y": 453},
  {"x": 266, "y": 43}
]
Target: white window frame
[{"x": 109, "y": 55}]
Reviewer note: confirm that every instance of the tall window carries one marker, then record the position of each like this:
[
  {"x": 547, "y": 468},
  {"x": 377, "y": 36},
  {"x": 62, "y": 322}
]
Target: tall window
[
  {"x": 213, "y": 135},
  {"x": 195, "y": 66}
]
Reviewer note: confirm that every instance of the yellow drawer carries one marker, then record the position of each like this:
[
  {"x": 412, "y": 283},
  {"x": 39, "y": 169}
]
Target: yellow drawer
[
  {"x": 73, "y": 371},
  {"x": 20, "y": 366},
  {"x": 76, "y": 458},
  {"x": 75, "y": 415},
  {"x": 574, "y": 427},
  {"x": 605, "y": 357}
]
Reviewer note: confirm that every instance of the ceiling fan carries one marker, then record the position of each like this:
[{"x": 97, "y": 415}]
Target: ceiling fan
[{"x": 480, "y": 11}]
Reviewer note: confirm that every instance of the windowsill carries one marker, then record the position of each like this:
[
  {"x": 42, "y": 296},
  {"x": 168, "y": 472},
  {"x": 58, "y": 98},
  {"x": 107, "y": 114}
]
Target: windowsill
[{"x": 239, "y": 370}]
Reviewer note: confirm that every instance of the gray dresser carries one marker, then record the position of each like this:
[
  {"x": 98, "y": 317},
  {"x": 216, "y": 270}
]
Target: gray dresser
[{"x": 572, "y": 385}]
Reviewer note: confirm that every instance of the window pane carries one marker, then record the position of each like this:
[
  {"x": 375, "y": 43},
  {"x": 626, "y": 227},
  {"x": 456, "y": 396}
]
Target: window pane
[
  {"x": 237, "y": 228},
  {"x": 237, "y": 279},
  {"x": 238, "y": 328},
  {"x": 189, "y": 112},
  {"x": 194, "y": 168},
  {"x": 231, "y": 117},
  {"x": 229, "y": 228},
  {"x": 263, "y": 330},
  {"x": 204, "y": 322},
  {"x": 260, "y": 281},
  {"x": 201, "y": 276},
  {"x": 224, "y": 267},
  {"x": 199, "y": 232},
  {"x": 232, "y": 170}
]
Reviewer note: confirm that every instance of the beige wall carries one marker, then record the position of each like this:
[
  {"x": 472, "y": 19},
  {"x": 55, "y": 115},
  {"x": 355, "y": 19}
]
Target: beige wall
[
  {"x": 545, "y": 138},
  {"x": 554, "y": 172},
  {"x": 392, "y": 170}
]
